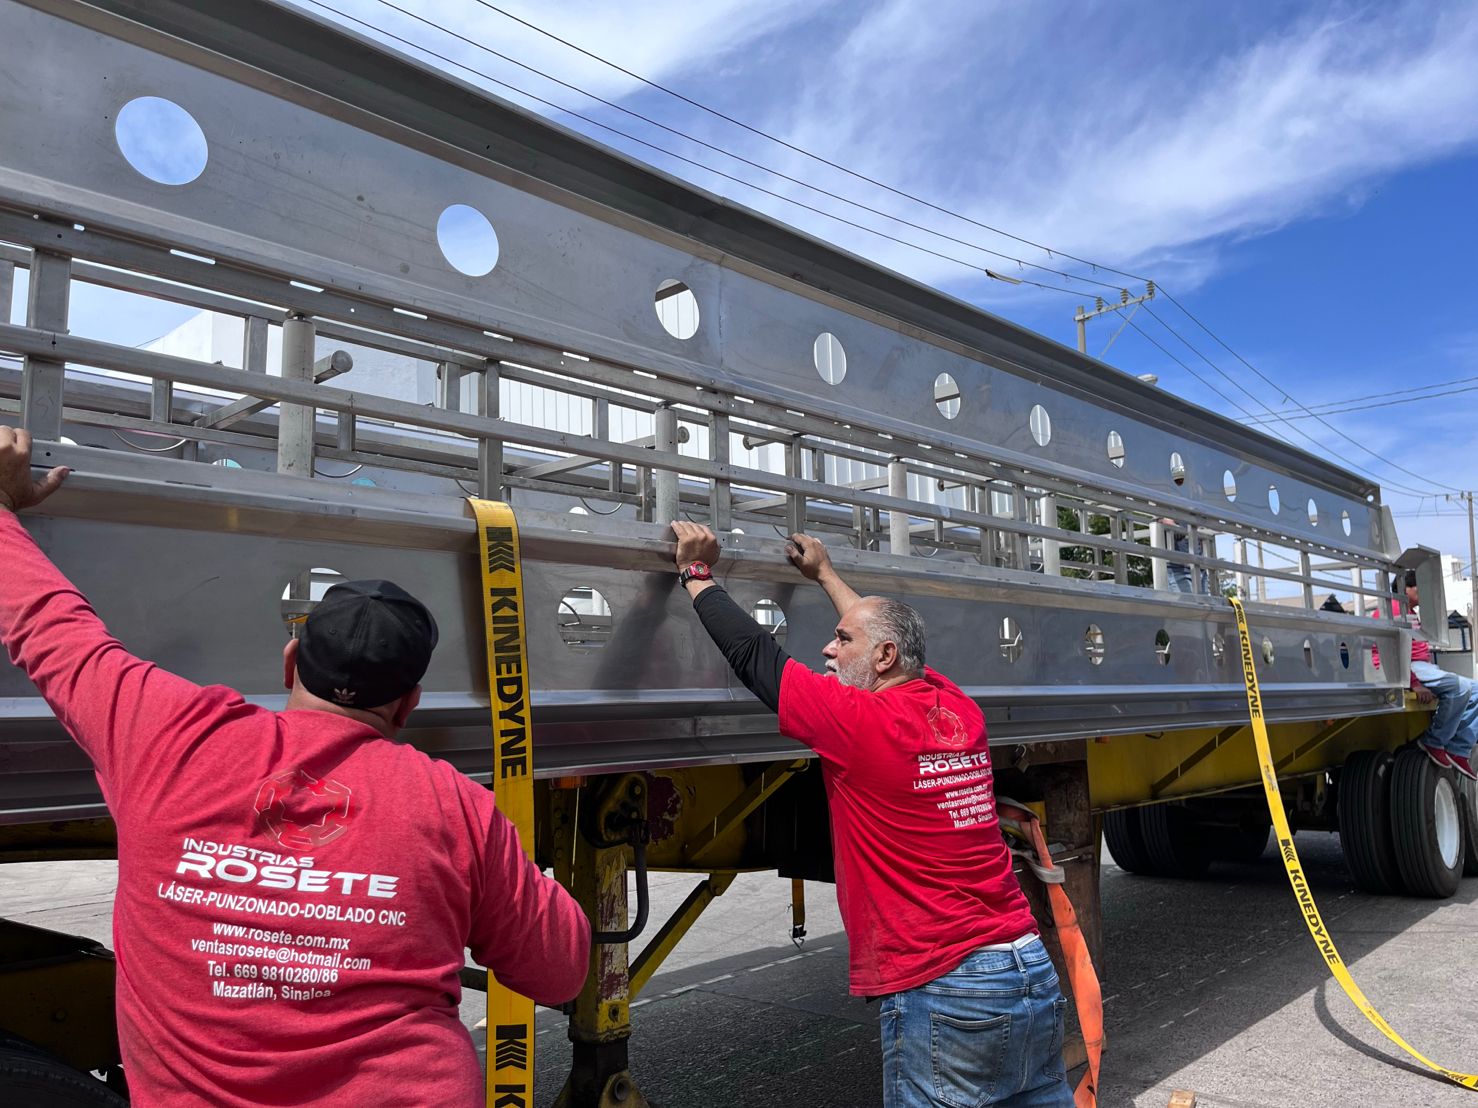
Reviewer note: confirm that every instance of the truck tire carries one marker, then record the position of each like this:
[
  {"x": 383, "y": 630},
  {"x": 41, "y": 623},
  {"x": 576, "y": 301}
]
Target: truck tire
[
  {"x": 1125, "y": 843},
  {"x": 1174, "y": 841},
  {"x": 1365, "y": 822},
  {"x": 1244, "y": 843},
  {"x": 1427, "y": 825},
  {"x": 31, "y": 1078},
  {"x": 1469, "y": 789}
]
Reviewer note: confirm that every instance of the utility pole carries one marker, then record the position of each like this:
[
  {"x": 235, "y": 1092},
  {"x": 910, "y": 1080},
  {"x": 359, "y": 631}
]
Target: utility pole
[
  {"x": 1472, "y": 572},
  {"x": 1100, "y": 308}
]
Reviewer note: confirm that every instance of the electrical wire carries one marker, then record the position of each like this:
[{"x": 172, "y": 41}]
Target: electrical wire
[
  {"x": 693, "y": 162},
  {"x": 1273, "y": 416},
  {"x": 739, "y": 157},
  {"x": 1396, "y": 396},
  {"x": 1050, "y": 252}
]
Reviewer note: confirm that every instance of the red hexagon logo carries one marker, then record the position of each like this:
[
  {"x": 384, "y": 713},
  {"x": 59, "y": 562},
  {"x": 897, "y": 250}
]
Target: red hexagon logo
[
  {"x": 947, "y": 728},
  {"x": 301, "y": 811}
]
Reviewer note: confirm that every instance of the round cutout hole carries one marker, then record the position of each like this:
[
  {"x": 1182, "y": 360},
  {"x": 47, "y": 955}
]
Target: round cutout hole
[
  {"x": 1267, "y": 651},
  {"x": 829, "y": 358},
  {"x": 1011, "y": 640},
  {"x": 1344, "y": 654},
  {"x": 1041, "y": 425},
  {"x": 1093, "y": 644},
  {"x": 1274, "y": 504},
  {"x": 585, "y": 622},
  {"x": 946, "y": 396},
  {"x": 1313, "y": 513},
  {"x": 1116, "y": 449},
  {"x": 303, "y": 592},
  {"x": 771, "y": 617},
  {"x": 1218, "y": 648},
  {"x": 677, "y": 309},
  {"x": 1344, "y": 522},
  {"x": 1162, "y": 646},
  {"x": 161, "y": 140},
  {"x": 1229, "y": 485},
  {"x": 1177, "y": 468},
  {"x": 467, "y": 240}
]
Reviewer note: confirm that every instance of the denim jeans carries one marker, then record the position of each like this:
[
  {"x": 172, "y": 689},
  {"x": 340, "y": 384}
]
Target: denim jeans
[
  {"x": 1454, "y": 725},
  {"x": 987, "y": 1032}
]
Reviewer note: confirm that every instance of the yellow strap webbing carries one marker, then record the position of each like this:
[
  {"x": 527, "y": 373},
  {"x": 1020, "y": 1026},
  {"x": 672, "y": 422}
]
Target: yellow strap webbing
[
  {"x": 510, "y": 1043},
  {"x": 1291, "y": 863}
]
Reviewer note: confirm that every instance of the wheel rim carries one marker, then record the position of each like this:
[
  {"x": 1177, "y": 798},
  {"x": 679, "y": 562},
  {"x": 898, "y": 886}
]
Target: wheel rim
[{"x": 1448, "y": 826}]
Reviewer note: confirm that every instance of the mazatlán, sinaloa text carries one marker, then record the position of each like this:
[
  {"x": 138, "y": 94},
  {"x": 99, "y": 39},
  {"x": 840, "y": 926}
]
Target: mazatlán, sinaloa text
[{"x": 243, "y": 865}]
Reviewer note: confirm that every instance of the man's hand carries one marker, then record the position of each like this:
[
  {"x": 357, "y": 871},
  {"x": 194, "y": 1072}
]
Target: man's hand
[
  {"x": 695, "y": 543},
  {"x": 808, "y": 555},
  {"x": 1424, "y": 695},
  {"x": 17, "y": 490}
]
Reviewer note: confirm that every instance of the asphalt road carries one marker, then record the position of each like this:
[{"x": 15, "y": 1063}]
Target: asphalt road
[{"x": 1210, "y": 985}]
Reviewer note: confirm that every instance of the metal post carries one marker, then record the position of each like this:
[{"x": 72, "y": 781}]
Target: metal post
[
  {"x": 1082, "y": 322},
  {"x": 449, "y": 386},
  {"x": 1357, "y": 578},
  {"x": 1051, "y": 548},
  {"x": 898, "y": 542},
  {"x": 720, "y": 500},
  {"x": 295, "y": 422},
  {"x": 1262, "y": 582},
  {"x": 489, "y": 449},
  {"x": 1159, "y": 574},
  {"x": 7, "y": 289},
  {"x": 43, "y": 379},
  {"x": 1472, "y": 571},
  {"x": 1306, "y": 572},
  {"x": 795, "y": 503},
  {"x": 254, "y": 345},
  {"x": 1244, "y": 583},
  {"x": 664, "y": 481}
]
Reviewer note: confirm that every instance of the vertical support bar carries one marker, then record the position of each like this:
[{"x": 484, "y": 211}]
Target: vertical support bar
[
  {"x": 898, "y": 521},
  {"x": 1123, "y": 528},
  {"x": 795, "y": 503},
  {"x": 489, "y": 449},
  {"x": 1262, "y": 582},
  {"x": 1244, "y": 584},
  {"x": 1051, "y": 548},
  {"x": 449, "y": 386},
  {"x": 344, "y": 432},
  {"x": 1305, "y": 571},
  {"x": 7, "y": 289},
  {"x": 1020, "y": 545},
  {"x": 1159, "y": 575},
  {"x": 1357, "y": 578},
  {"x": 42, "y": 379},
  {"x": 720, "y": 498},
  {"x": 161, "y": 400},
  {"x": 254, "y": 345},
  {"x": 664, "y": 481},
  {"x": 295, "y": 422}
]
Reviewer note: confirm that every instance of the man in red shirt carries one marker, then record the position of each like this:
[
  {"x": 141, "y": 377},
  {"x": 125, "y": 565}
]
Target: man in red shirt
[
  {"x": 295, "y": 890},
  {"x": 937, "y": 926}
]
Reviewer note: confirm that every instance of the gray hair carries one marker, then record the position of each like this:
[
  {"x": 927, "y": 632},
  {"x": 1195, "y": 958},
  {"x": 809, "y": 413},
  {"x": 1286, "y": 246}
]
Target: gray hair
[{"x": 894, "y": 621}]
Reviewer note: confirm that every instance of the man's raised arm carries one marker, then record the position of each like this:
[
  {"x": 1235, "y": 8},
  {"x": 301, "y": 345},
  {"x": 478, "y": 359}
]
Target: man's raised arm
[{"x": 810, "y": 557}]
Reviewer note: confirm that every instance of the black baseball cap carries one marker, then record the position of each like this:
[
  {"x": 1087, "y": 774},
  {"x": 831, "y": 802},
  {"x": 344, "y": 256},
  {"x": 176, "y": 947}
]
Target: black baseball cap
[{"x": 365, "y": 644}]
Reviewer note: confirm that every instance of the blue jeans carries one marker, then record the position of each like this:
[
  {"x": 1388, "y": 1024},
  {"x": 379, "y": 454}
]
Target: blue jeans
[
  {"x": 987, "y": 1032},
  {"x": 1454, "y": 726}
]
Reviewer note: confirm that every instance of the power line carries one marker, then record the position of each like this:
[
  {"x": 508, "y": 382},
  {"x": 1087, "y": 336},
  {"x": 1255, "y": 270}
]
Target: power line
[
  {"x": 737, "y": 157},
  {"x": 809, "y": 154},
  {"x": 1264, "y": 377},
  {"x": 845, "y": 200},
  {"x": 697, "y": 164},
  {"x": 1353, "y": 403}
]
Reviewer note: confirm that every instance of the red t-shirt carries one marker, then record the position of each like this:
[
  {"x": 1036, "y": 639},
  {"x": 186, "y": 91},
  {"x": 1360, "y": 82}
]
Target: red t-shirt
[
  {"x": 295, "y": 892},
  {"x": 923, "y": 875}
]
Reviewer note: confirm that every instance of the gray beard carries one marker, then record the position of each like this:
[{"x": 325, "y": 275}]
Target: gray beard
[{"x": 858, "y": 675}]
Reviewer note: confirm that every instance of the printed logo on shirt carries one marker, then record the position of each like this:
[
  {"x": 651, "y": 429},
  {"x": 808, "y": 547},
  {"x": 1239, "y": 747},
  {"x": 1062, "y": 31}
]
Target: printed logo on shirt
[
  {"x": 301, "y": 811},
  {"x": 947, "y": 728}
]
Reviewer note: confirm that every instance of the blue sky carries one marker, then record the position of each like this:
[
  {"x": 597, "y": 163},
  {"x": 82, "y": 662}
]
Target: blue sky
[{"x": 1300, "y": 176}]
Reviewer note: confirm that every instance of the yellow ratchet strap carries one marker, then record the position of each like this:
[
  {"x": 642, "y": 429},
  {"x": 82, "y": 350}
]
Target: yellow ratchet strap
[
  {"x": 1296, "y": 877},
  {"x": 510, "y": 1044}
]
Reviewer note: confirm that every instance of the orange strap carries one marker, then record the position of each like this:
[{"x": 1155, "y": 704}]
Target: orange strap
[{"x": 1087, "y": 996}]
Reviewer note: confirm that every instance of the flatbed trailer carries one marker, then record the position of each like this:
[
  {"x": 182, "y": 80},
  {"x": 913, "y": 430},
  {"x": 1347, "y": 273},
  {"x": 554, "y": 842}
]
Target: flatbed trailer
[{"x": 699, "y": 360}]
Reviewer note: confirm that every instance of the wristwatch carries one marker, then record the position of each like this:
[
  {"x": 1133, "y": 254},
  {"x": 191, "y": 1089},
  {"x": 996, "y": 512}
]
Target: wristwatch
[{"x": 696, "y": 571}]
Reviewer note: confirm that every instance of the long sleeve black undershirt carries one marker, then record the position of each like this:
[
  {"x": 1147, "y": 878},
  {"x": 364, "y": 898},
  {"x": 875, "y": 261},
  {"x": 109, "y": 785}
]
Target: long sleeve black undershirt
[{"x": 752, "y": 651}]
